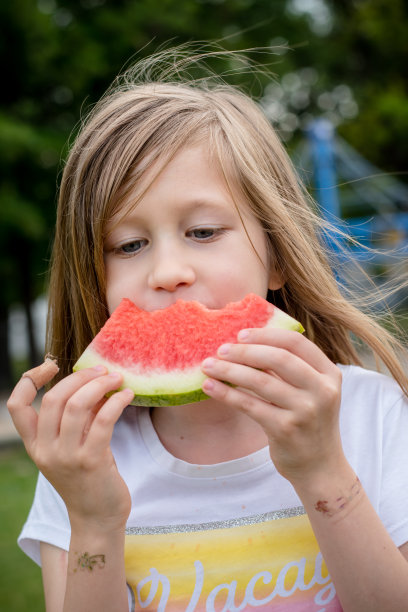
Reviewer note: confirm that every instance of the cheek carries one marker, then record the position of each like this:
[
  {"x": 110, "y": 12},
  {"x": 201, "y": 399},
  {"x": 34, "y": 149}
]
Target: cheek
[
  {"x": 124, "y": 279},
  {"x": 111, "y": 302},
  {"x": 243, "y": 275},
  {"x": 115, "y": 285}
]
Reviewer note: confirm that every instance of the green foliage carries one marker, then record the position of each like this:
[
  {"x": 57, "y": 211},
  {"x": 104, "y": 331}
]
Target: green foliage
[{"x": 20, "y": 578}]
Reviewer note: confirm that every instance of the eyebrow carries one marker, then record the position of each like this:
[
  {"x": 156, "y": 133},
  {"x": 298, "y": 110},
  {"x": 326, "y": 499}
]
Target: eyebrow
[
  {"x": 204, "y": 204},
  {"x": 209, "y": 204}
]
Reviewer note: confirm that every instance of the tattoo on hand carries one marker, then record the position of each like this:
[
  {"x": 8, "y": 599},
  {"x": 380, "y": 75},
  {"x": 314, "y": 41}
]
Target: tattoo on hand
[
  {"x": 331, "y": 508},
  {"x": 86, "y": 561}
]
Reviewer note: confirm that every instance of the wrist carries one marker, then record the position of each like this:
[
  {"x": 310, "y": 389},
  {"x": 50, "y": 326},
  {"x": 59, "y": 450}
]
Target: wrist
[
  {"x": 96, "y": 527},
  {"x": 330, "y": 492},
  {"x": 90, "y": 546},
  {"x": 96, "y": 577}
]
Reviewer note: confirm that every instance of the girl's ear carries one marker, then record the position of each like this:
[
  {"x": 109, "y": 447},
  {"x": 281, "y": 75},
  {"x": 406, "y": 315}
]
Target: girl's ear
[{"x": 275, "y": 280}]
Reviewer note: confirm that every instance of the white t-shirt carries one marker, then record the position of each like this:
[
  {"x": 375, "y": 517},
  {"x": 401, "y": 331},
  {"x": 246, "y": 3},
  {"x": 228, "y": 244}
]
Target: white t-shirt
[{"x": 234, "y": 536}]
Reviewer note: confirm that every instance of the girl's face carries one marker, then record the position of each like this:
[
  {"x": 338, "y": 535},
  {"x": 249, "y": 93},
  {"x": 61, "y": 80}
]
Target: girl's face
[{"x": 186, "y": 240}]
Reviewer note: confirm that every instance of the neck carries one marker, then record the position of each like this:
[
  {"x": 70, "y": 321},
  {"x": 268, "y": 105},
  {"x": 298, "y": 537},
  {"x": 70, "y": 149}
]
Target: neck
[{"x": 207, "y": 432}]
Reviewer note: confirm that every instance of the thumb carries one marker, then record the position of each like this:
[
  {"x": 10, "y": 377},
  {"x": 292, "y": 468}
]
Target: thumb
[
  {"x": 20, "y": 401},
  {"x": 43, "y": 373}
]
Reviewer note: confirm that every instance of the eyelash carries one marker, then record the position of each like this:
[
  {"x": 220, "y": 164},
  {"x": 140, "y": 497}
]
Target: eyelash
[
  {"x": 215, "y": 233},
  {"x": 120, "y": 250}
]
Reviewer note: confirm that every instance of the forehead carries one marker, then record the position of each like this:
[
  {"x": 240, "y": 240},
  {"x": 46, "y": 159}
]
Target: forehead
[{"x": 192, "y": 177}]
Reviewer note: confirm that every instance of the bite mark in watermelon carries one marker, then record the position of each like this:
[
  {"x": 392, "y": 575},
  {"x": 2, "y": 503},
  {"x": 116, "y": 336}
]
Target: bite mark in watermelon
[{"x": 159, "y": 353}]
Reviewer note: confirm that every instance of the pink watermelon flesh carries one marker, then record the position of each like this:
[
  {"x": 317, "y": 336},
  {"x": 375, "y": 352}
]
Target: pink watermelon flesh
[{"x": 160, "y": 353}]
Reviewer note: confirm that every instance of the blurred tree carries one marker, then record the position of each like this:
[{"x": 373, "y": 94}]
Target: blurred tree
[
  {"x": 342, "y": 59},
  {"x": 366, "y": 49}
]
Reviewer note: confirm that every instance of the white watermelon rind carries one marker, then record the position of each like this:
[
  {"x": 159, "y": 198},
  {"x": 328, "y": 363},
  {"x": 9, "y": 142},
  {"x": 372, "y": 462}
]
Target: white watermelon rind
[
  {"x": 174, "y": 388},
  {"x": 185, "y": 385}
]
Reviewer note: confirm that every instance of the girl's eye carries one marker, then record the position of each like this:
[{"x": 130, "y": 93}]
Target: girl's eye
[
  {"x": 205, "y": 233},
  {"x": 130, "y": 248}
]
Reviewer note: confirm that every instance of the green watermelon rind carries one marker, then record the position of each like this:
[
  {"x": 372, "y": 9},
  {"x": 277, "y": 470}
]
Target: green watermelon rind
[
  {"x": 169, "y": 388},
  {"x": 166, "y": 399}
]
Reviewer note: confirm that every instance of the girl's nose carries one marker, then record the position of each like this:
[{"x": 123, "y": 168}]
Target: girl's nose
[{"x": 171, "y": 272}]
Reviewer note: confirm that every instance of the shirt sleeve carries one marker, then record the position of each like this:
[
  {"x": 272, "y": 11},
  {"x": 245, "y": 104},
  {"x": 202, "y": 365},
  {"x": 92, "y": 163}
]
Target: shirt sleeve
[
  {"x": 394, "y": 477},
  {"x": 47, "y": 521}
]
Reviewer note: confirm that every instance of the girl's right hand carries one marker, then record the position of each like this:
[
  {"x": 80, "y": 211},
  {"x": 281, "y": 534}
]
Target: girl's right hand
[{"x": 69, "y": 441}]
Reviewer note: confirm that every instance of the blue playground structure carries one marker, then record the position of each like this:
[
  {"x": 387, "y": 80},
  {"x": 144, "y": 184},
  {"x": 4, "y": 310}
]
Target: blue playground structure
[{"x": 366, "y": 204}]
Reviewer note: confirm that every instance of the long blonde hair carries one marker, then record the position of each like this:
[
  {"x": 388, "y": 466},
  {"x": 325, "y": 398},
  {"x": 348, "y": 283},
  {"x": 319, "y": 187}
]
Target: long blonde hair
[{"x": 146, "y": 118}]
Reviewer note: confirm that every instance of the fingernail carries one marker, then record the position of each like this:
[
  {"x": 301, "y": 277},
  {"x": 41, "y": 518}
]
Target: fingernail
[
  {"x": 99, "y": 368},
  {"x": 224, "y": 349},
  {"x": 208, "y": 385},
  {"x": 208, "y": 363},
  {"x": 114, "y": 375},
  {"x": 243, "y": 334}
]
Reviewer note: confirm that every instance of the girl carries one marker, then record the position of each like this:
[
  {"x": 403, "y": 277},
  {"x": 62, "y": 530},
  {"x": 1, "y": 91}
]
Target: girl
[{"x": 174, "y": 190}]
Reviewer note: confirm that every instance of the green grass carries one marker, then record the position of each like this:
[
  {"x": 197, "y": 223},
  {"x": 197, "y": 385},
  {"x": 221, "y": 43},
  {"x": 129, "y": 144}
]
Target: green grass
[{"x": 20, "y": 578}]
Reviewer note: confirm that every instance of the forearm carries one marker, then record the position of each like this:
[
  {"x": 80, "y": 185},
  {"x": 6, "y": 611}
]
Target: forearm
[
  {"x": 96, "y": 572},
  {"x": 369, "y": 572}
]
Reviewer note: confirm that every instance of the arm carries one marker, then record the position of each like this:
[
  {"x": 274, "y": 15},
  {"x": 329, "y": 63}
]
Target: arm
[
  {"x": 69, "y": 575},
  {"x": 368, "y": 570},
  {"x": 54, "y": 562},
  {"x": 96, "y": 570},
  {"x": 69, "y": 440},
  {"x": 293, "y": 391}
]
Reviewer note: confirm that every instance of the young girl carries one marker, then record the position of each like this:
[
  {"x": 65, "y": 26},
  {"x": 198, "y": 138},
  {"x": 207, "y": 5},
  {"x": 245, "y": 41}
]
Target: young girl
[{"x": 174, "y": 190}]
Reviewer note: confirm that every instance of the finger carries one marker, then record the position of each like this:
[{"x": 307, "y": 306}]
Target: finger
[
  {"x": 261, "y": 411},
  {"x": 276, "y": 361},
  {"x": 81, "y": 405},
  {"x": 20, "y": 402},
  {"x": 101, "y": 430},
  {"x": 54, "y": 401},
  {"x": 292, "y": 341},
  {"x": 92, "y": 414},
  {"x": 43, "y": 373},
  {"x": 22, "y": 412},
  {"x": 267, "y": 387}
]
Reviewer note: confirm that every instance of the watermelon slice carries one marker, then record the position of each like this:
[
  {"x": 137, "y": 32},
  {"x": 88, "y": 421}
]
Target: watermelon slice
[{"x": 160, "y": 353}]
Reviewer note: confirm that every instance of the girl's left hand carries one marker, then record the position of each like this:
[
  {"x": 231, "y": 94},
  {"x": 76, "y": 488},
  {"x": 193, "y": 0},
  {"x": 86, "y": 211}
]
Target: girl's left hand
[{"x": 288, "y": 385}]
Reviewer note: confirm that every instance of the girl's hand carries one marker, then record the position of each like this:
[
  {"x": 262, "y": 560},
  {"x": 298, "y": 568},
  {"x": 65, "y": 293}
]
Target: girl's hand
[
  {"x": 69, "y": 441},
  {"x": 288, "y": 385}
]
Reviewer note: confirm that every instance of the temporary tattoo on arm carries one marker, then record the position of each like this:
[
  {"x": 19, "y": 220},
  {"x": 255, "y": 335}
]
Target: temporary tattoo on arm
[
  {"x": 88, "y": 562},
  {"x": 330, "y": 508}
]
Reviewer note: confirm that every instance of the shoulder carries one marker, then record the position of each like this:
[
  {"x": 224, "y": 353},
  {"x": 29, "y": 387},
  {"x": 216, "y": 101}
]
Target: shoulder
[
  {"x": 370, "y": 388},
  {"x": 373, "y": 407},
  {"x": 374, "y": 432}
]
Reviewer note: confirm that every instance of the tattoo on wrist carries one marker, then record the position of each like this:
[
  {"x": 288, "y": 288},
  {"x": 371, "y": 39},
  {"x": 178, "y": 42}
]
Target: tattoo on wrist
[
  {"x": 85, "y": 561},
  {"x": 330, "y": 508}
]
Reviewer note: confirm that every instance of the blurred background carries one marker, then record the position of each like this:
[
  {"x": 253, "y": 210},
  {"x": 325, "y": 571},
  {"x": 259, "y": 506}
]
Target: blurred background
[{"x": 338, "y": 100}]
